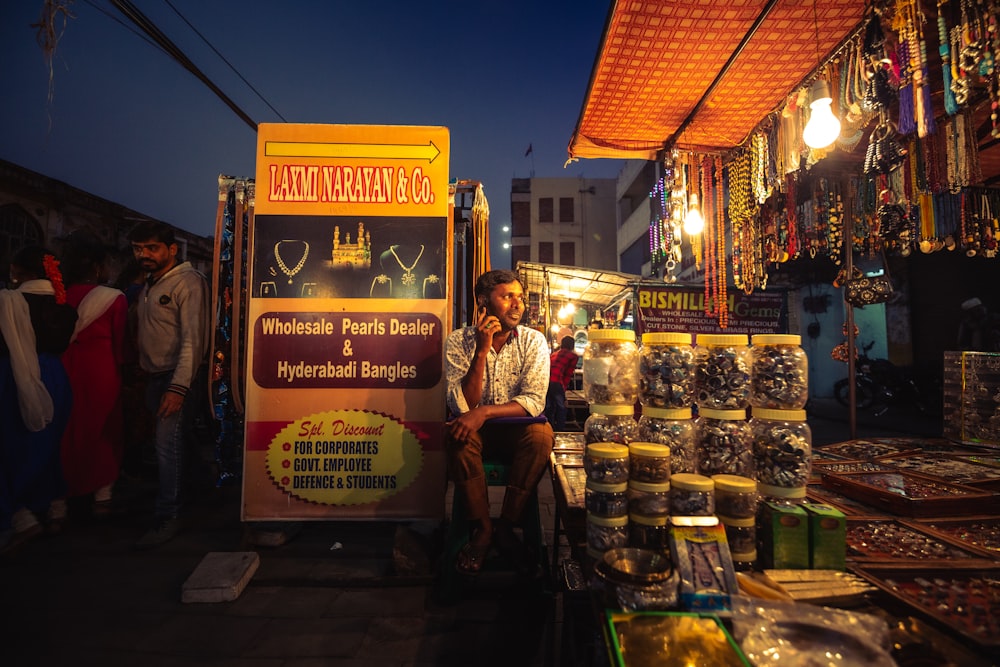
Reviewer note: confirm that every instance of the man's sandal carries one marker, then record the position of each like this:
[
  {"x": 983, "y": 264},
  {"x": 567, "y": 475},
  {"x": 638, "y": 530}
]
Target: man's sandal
[{"x": 471, "y": 558}]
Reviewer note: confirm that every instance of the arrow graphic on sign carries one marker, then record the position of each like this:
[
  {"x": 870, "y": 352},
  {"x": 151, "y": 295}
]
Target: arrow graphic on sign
[{"x": 313, "y": 149}]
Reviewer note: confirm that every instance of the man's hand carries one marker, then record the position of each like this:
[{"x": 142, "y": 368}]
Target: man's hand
[
  {"x": 169, "y": 404},
  {"x": 466, "y": 424},
  {"x": 486, "y": 327}
]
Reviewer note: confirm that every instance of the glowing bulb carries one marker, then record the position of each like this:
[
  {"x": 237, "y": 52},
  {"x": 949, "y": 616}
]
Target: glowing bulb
[
  {"x": 693, "y": 222},
  {"x": 823, "y": 127}
]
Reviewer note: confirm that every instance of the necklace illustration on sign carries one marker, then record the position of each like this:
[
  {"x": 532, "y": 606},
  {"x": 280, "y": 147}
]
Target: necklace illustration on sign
[
  {"x": 408, "y": 277},
  {"x": 284, "y": 267}
]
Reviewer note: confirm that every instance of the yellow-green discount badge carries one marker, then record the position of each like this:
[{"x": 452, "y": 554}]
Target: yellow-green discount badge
[{"x": 344, "y": 457}]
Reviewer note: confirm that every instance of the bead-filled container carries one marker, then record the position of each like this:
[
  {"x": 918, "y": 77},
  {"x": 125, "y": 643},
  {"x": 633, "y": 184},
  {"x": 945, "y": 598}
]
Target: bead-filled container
[
  {"x": 782, "y": 450},
  {"x": 779, "y": 372},
  {"x": 674, "y": 428},
  {"x": 735, "y": 496},
  {"x": 691, "y": 495},
  {"x": 666, "y": 370},
  {"x": 611, "y": 423},
  {"x": 722, "y": 371},
  {"x": 649, "y": 499},
  {"x": 723, "y": 443},
  {"x": 604, "y": 533},
  {"x": 606, "y": 499},
  {"x": 606, "y": 463},
  {"x": 649, "y": 532},
  {"x": 611, "y": 367},
  {"x": 649, "y": 462},
  {"x": 740, "y": 533}
]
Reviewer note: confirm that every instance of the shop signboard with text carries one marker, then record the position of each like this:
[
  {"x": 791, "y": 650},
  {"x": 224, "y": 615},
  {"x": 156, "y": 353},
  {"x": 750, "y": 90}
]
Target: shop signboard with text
[
  {"x": 347, "y": 316},
  {"x": 675, "y": 308}
]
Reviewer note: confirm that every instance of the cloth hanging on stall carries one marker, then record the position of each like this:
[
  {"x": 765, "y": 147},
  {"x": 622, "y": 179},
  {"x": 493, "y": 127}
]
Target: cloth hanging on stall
[{"x": 481, "y": 233}]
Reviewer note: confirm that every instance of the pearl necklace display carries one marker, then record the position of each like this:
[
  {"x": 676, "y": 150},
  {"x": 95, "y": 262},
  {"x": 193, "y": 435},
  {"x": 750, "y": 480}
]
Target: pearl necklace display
[
  {"x": 284, "y": 267},
  {"x": 408, "y": 277}
]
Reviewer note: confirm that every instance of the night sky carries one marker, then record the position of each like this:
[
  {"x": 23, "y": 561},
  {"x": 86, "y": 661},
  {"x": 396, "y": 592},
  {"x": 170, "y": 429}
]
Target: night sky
[{"x": 130, "y": 124}]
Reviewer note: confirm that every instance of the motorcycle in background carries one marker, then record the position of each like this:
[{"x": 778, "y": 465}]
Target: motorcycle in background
[{"x": 880, "y": 385}]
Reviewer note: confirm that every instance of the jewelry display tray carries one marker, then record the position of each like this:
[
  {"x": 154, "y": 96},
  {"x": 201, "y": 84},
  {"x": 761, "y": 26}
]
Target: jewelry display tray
[
  {"x": 976, "y": 533},
  {"x": 974, "y": 616},
  {"x": 905, "y": 542},
  {"x": 818, "y": 493},
  {"x": 950, "y": 468},
  {"x": 865, "y": 449},
  {"x": 911, "y": 495}
]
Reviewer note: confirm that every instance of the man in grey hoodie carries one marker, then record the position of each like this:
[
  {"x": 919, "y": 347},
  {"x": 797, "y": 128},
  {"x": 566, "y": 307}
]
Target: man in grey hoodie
[{"x": 173, "y": 329}]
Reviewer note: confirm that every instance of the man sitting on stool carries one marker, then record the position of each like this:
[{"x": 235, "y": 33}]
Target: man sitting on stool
[{"x": 497, "y": 371}]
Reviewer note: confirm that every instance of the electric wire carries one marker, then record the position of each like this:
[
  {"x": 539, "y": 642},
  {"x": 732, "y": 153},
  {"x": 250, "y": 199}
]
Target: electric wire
[{"x": 223, "y": 58}]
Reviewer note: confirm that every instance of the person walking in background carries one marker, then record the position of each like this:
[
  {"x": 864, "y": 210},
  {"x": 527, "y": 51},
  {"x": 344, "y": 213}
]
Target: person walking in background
[
  {"x": 562, "y": 365},
  {"x": 979, "y": 329},
  {"x": 173, "y": 323},
  {"x": 35, "y": 396},
  {"x": 92, "y": 443}
]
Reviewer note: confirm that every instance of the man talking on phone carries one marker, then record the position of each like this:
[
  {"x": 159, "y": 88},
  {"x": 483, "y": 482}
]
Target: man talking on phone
[{"x": 497, "y": 374}]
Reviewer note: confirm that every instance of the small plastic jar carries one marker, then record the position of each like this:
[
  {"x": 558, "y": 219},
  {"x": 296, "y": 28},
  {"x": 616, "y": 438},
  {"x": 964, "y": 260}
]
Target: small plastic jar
[
  {"x": 779, "y": 372},
  {"x": 722, "y": 371},
  {"x": 610, "y": 423},
  {"x": 611, "y": 367},
  {"x": 648, "y": 462},
  {"x": 744, "y": 561},
  {"x": 605, "y": 533},
  {"x": 666, "y": 370},
  {"x": 691, "y": 495},
  {"x": 740, "y": 533},
  {"x": 782, "y": 450},
  {"x": 606, "y": 463},
  {"x": 649, "y": 532},
  {"x": 649, "y": 499},
  {"x": 606, "y": 500},
  {"x": 724, "y": 443},
  {"x": 735, "y": 496},
  {"x": 674, "y": 428}
]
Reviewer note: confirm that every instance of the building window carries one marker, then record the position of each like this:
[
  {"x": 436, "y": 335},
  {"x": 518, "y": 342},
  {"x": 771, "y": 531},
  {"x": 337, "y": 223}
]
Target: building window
[
  {"x": 545, "y": 251},
  {"x": 519, "y": 253},
  {"x": 520, "y": 218},
  {"x": 566, "y": 208},
  {"x": 545, "y": 209},
  {"x": 567, "y": 253}
]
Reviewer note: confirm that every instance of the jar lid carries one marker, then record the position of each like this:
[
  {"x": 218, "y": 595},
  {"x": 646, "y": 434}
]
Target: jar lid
[
  {"x": 651, "y": 449},
  {"x": 605, "y": 409},
  {"x": 600, "y": 487},
  {"x": 607, "y": 450},
  {"x": 607, "y": 521},
  {"x": 691, "y": 481},
  {"x": 666, "y": 413},
  {"x": 661, "y": 337},
  {"x": 782, "y": 491},
  {"x": 737, "y": 523},
  {"x": 721, "y": 339},
  {"x": 778, "y": 415},
  {"x": 650, "y": 519},
  {"x": 734, "y": 483},
  {"x": 649, "y": 487},
  {"x": 776, "y": 339},
  {"x": 626, "y": 335},
  {"x": 737, "y": 415}
]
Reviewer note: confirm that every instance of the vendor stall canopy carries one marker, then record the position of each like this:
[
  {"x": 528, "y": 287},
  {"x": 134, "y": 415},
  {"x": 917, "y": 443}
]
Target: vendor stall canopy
[
  {"x": 584, "y": 287},
  {"x": 701, "y": 74}
]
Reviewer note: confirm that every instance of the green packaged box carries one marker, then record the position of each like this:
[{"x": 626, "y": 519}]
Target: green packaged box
[
  {"x": 827, "y": 537},
  {"x": 783, "y": 537}
]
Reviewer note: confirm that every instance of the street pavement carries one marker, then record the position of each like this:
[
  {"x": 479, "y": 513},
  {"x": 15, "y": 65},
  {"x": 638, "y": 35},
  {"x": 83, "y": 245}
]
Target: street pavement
[{"x": 337, "y": 593}]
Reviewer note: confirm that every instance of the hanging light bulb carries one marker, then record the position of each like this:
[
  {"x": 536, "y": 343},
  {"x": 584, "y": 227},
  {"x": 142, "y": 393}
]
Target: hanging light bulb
[
  {"x": 823, "y": 127},
  {"x": 693, "y": 222}
]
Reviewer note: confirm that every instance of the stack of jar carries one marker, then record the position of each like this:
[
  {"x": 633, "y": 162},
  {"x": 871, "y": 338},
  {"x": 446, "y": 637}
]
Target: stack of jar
[
  {"x": 610, "y": 386},
  {"x": 722, "y": 393},
  {"x": 648, "y": 495},
  {"x": 666, "y": 392},
  {"x": 736, "y": 507},
  {"x": 782, "y": 441}
]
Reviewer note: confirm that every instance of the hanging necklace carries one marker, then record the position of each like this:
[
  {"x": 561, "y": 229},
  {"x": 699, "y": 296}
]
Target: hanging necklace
[
  {"x": 408, "y": 278},
  {"x": 281, "y": 264}
]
